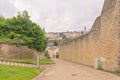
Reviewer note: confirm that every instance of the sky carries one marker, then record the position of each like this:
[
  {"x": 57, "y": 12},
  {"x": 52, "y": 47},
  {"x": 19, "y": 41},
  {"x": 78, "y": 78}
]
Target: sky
[{"x": 56, "y": 15}]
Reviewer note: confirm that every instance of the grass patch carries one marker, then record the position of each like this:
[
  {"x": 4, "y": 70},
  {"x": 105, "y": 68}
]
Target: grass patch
[
  {"x": 46, "y": 61},
  {"x": 28, "y": 61},
  {"x": 18, "y": 73}
]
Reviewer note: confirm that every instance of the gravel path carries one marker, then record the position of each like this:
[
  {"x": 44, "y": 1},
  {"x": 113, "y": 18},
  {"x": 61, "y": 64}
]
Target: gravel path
[{"x": 63, "y": 70}]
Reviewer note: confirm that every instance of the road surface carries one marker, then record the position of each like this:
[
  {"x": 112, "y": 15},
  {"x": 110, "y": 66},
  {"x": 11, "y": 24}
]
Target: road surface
[{"x": 64, "y": 70}]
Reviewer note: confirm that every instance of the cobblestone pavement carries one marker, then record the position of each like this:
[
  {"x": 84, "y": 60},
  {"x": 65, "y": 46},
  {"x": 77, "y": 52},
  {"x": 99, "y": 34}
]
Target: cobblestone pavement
[{"x": 63, "y": 70}]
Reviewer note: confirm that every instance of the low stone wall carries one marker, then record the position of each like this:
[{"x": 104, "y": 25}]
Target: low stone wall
[
  {"x": 102, "y": 42},
  {"x": 12, "y": 51}
]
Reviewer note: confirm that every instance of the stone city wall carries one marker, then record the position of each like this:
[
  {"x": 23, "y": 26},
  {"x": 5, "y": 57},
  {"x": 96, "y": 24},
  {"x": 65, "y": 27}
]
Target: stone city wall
[{"x": 102, "y": 42}]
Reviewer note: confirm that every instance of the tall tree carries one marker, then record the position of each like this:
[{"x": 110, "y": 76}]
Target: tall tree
[{"x": 20, "y": 27}]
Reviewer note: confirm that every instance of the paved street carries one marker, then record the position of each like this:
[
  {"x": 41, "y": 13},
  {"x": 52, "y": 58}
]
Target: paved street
[{"x": 63, "y": 70}]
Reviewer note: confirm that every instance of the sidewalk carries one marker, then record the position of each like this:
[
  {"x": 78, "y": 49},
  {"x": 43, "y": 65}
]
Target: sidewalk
[{"x": 64, "y": 70}]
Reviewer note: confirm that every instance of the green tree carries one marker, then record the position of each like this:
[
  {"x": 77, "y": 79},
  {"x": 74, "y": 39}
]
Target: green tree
[
  {"x": 21, "y": 27},
  {"x": 47, "y": 55},
  {"x": 55, "y": 43}
]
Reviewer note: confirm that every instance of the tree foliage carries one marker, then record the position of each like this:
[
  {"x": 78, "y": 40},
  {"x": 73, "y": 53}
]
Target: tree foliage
[
  {"x": 55, "y": 43},
  {"x": 20, "y": 27}
]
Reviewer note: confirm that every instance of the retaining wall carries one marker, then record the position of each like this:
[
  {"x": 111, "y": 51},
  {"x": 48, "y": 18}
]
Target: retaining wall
[{"x": 12, "y": 51}]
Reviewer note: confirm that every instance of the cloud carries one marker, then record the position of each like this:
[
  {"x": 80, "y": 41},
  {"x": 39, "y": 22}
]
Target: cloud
[
  {"x": 7, "y": 8},
  {"x": 59, "y": 15}
]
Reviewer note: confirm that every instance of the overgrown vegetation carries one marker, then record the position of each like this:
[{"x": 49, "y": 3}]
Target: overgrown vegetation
[
  {"x": 47, "y": 55},
  {"x": 46, "y": 61},
  {"x": 21, "y": 30},
  {"x": 57, "y": 55},
  {"x": 55, "y": 43},
  {"x": 18, "y": 73}
]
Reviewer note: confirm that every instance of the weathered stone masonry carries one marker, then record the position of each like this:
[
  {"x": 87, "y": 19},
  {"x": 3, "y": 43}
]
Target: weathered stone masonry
[
  {"x": 8, "y": 51},
  {"x": 103, "y": 41}
]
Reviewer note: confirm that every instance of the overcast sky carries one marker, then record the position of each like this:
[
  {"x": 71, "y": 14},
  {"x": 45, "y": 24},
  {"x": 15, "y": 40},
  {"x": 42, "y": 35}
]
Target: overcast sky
[{"x": 56, "y": 15}]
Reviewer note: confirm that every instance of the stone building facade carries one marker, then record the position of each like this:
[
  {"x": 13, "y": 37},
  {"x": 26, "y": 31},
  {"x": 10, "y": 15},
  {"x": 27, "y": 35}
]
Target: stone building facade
[
  {"x": 52, "y": 51},
  {"x": 102, "y": 42}
]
